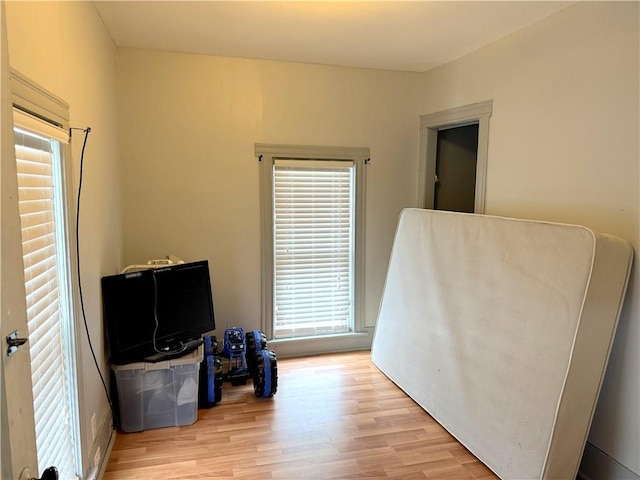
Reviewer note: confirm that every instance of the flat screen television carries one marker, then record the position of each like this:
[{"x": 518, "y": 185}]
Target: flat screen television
[{"x": 157, "y": 314}]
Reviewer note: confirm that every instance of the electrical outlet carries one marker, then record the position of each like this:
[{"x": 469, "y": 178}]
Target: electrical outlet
[
  {"x": 96, "y": 458},
  {"x": 93, "y": 427}
]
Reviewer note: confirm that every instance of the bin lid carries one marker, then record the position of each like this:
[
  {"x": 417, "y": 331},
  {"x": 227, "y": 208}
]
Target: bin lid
[{"x": 195, "y": 356}]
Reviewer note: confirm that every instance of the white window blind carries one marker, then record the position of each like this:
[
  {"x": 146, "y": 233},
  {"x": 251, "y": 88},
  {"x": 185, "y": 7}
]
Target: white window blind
[
  {"x": 39, "y": 199},
  {"x": 313, "y": 229}
]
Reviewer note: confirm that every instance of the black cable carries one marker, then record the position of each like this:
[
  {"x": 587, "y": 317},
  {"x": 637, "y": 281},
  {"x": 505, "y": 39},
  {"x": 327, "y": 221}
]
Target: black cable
[
  {"x": 84, "y": 316},
  {"x": 167, "y": 351}
]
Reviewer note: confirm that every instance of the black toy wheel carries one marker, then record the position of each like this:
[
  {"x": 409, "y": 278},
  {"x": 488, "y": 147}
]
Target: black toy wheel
[
  {"x": 217, "y": 379},
  {"x": 210, "y": 382},
  {"x": 210, "y": 345},
  {"x": 255, "y": 341},
  {"x": 265, "y": 381}
]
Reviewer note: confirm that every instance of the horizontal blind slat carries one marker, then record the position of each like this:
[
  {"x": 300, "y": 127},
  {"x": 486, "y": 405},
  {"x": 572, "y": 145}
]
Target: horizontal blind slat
[{"x": 34, "y": 161}]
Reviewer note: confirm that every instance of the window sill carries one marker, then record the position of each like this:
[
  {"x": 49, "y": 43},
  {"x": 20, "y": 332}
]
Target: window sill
[{"x": 298, "y": 347}]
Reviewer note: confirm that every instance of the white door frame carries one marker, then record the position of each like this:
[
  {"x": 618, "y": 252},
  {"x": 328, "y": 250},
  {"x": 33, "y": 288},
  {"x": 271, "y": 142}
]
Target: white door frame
[{"x": 456, "y": 117}]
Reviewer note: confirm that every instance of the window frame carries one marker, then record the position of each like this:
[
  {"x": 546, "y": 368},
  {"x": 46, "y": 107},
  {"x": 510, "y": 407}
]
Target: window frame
[{"x": 267, "y": 154}]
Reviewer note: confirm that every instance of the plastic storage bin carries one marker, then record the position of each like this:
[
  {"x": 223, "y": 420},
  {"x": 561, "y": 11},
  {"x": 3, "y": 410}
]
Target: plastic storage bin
[{"x": 154, "y": 395}]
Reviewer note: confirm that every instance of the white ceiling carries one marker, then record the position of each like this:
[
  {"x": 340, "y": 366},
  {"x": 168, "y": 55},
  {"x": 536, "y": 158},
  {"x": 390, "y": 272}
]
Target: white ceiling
[{"x": 394, "y": 35}]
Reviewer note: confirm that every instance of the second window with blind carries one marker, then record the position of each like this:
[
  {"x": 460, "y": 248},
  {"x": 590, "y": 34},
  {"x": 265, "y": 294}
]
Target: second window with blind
[{"x": 312, "y": 210}]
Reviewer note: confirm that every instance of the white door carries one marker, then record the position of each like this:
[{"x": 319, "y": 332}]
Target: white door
[{"x": 17, "y": 427}]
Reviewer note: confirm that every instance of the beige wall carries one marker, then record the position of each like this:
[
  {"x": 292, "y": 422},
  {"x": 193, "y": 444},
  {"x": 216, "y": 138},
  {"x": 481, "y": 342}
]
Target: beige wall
[
  {"x": 564, "y": 146},
  {"x": 64, "y": 47},
  {"x": 189, "y": 124}
]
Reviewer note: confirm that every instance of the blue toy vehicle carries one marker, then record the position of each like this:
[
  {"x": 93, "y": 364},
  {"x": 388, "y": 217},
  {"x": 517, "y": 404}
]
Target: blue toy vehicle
[
  {"x": 234, "y": 349},
  {"x": 248, "y": 357}
]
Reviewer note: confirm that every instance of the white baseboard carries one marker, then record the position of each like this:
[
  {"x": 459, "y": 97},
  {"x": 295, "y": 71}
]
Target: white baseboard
[
  {"x": 597, "y": 465},
  {"x": 105, "y": 438},
  {"x": 323, "y": 344}
]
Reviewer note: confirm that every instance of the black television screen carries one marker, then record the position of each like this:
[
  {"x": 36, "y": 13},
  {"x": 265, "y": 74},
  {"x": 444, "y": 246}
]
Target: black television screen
[{"x": 154, "y": 314}]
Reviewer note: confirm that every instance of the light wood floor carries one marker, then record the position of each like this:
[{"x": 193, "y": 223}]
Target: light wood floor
[{"x": 333, "y": 417}]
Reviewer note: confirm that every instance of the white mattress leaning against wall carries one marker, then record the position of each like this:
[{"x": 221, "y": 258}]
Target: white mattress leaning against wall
[{"x": 501, "y": 329}]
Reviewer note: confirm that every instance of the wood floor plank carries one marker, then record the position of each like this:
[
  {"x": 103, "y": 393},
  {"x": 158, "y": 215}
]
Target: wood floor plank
[{"x": 334, "y": 417}]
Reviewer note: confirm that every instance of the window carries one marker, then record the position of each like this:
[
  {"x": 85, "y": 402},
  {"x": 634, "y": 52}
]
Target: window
[
  {"x": 312, "y": 239},
  {"x": 39, "y": 147}
]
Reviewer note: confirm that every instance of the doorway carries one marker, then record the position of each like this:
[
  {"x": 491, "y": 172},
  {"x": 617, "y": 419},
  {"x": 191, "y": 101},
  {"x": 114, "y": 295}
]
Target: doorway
[
  {"x": 456, "y": 160},
  {"x": 448, "y": 176}
]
